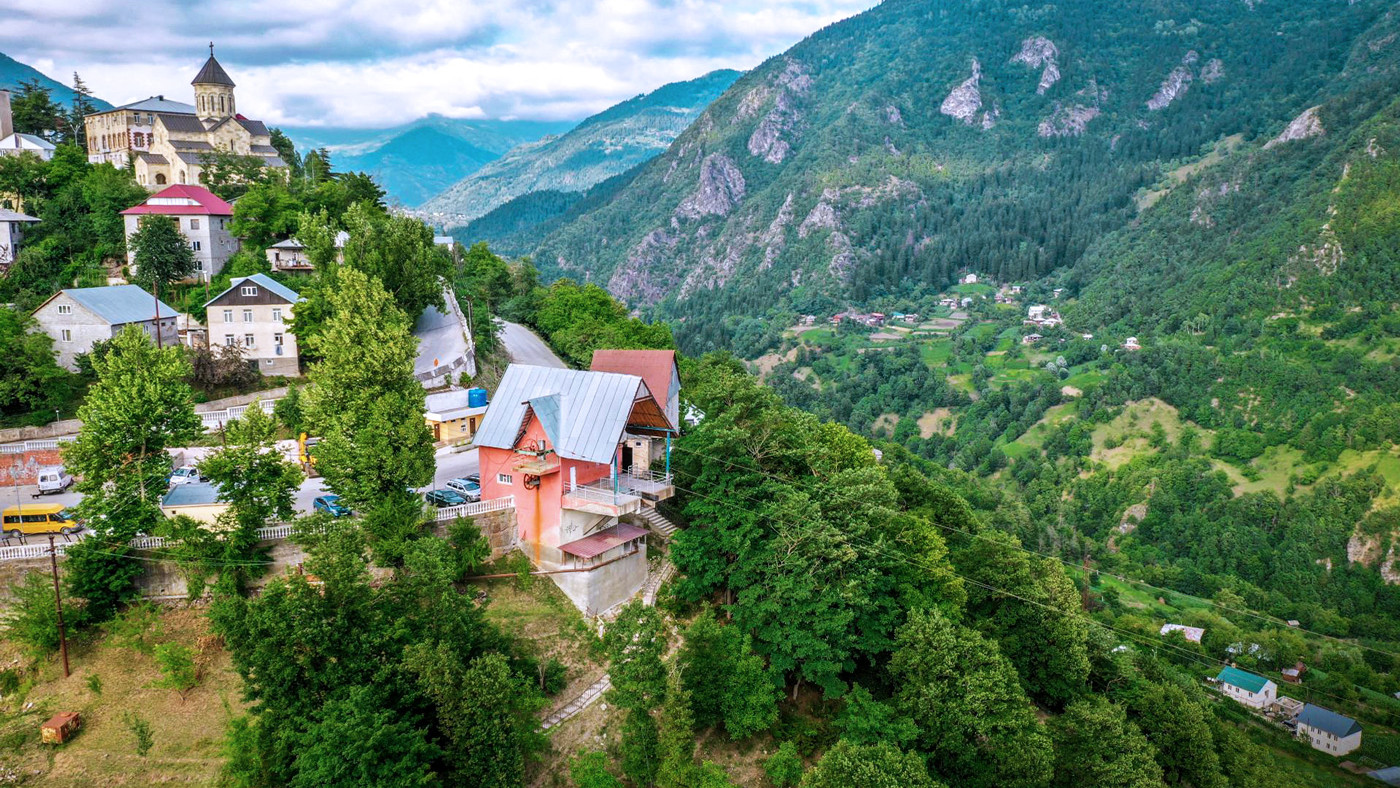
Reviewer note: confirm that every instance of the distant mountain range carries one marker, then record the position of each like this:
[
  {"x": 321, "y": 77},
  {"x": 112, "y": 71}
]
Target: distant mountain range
[
  {"x": 13, "y": 72},
  {"x": 416, "y": 161},
  {"x": 601, "y": 147}
]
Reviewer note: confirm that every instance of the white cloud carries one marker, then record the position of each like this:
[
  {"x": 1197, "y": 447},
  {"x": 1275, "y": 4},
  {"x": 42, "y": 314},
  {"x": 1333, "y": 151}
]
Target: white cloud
[{"x": 383, "y": 62}]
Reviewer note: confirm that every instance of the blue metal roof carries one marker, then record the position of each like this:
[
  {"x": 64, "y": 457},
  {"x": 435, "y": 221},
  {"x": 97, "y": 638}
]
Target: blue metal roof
[
  {"x": 1327, "y": 721},
  {"x": 156, "y": 104},
  {"x": 118, "y": 304},
  {"x": 586, "y": 411},
  {"x": 264, "y": 281},
  {"x": 197, "y": 494}
]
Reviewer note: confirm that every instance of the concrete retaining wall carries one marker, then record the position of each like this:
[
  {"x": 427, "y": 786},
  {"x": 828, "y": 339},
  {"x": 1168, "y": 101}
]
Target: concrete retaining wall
[{"x": 499, "y": 528}]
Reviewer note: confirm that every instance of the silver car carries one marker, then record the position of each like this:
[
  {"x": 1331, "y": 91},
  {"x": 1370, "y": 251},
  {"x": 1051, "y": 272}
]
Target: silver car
[{"x": 466, "y": 488}]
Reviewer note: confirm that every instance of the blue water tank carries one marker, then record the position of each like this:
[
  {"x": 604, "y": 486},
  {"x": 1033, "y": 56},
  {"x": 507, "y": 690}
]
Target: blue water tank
[{"x": 476, "y": 398}]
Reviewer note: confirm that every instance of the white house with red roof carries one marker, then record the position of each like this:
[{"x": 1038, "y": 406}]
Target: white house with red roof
[{"x": 203, "y": 219}]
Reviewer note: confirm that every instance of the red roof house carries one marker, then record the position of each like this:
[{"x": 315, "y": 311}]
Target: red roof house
[{"x": 203, "y": 219}]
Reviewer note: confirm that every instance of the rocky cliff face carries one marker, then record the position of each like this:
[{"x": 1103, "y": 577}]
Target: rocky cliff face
[
  {"x": 1040, "y": 52},
  {"x": 1305, "y": 125},
  {"x": 1176, "y": 83},
  {"x": 965, "y": 100}
]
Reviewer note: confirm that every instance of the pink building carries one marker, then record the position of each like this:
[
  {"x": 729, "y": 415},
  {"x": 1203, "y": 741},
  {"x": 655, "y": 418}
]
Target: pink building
[{"x": 554, "y": 439}]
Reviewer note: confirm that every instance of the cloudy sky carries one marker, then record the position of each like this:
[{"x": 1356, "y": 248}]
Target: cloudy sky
[{"x": 383, "y": 62}]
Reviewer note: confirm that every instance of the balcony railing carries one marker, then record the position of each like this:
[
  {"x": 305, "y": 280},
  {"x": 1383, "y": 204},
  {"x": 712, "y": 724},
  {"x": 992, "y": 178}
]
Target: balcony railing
[{"x": 626, "y": 491}]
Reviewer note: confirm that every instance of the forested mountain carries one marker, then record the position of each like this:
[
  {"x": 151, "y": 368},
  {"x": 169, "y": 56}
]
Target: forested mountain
[
  {"x": 13, "y": 73},
  {"x": 921, "y": 138},
  {"x": 602, "y": 146},
  {"x": 419, "y": 159}
]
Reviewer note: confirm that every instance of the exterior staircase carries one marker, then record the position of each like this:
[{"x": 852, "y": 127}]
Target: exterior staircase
[{"x": 657, "y": 522}]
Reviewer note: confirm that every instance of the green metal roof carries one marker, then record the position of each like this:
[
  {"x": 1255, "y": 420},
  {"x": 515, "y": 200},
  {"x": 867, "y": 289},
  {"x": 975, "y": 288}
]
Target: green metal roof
[{"x": 1243, "y": 679}]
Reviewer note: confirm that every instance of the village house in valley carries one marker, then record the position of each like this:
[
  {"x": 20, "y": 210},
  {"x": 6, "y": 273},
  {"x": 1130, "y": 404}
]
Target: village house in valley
[
  {"x": 1247, "y": 688},
  {"x": 169, "y": 142},
  {"x": 659, "y": 370},
  {"x": 203, "y": 219},
  {"x": 80, "y": 316},
  {"x": 554, "y": 440},
  {"x": 252, "y": 315}
]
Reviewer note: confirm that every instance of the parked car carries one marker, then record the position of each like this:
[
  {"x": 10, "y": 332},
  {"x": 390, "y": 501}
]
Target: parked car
[
  {"x": 53, "y": 479},
  {"x": 466, "y": 487},
  {"x": 444, "y": 498},
  {"x": 185, "y": 474},
  {"x": 473, "y": 477},
  {"x": 330, "y": 504}
]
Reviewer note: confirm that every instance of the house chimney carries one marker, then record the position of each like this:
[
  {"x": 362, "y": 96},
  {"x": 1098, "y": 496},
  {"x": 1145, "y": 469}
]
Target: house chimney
[{"x": 7, "y": 123}]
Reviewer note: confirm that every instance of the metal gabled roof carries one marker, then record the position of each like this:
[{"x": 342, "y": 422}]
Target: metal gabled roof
[
  {"x": 587, "y": 412},
  {"x": 264, "y": 281},
  {"x": 118, "y": 304},
  {"x": 1249, "y": 682},
  {"x": 1327, "y": 721}
]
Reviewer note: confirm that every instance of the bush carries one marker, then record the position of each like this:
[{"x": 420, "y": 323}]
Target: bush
[
  {"x": 784, "y": 767},
  {"x": 141, "y": 730},
  {"x": 33, "y": 618},
  {"x": 590, "y": 770},
  {"x": 178, "y": 670}
]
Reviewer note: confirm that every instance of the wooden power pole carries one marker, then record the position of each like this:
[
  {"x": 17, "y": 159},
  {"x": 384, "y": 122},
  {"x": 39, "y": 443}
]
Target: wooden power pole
[{"x": 58, "y": 603}]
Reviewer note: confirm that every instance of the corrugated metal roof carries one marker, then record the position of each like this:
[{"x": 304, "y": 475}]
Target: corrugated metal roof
[
  {"x": 593, "y": 409},
  {"x": 264, "y": 281},
  {"x": 169, "y": 201},
  {"x": 197, "y": 494},
  {"x": 119, "y": 304},
  {"x": 1327, "y": 721},
  {"x": 13, "y": 141},
  {"x": 546, "y": 409},
  {"x": 603, "y": 541},
  {"x": 290, "y": 243},
  {"x": 156, "y": 104},
  {"x": 7, "y": 215}
]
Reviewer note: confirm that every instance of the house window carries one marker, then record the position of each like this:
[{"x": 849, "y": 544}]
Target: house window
[
  {"x": 247, "y": 316},
  {"x": 277, "y": 339},
  {"x": 194, "y": 245},
  {"x": 277, "y": 316},
  {"x": 228, "y": 315},
  {"x": 228, "y": 340},
  {"x": 248, "y": 290},
  {"x": 67, "y": 335},
  {"x": 248, "y": 340},
  {"x": 194, "y": 224},
  {"x": 505, "y": 478},
  {"x": 65, "y": 309}
]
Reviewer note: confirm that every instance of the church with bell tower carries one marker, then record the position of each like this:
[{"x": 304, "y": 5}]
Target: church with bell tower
[{"x": 169, "y": 142}]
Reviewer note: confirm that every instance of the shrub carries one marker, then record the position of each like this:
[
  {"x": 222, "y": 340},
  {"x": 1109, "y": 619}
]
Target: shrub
[
  {"x": 33, "y": 618},
  {"x": 141, "y": 730},
  {"x": 784, "y": 767}
]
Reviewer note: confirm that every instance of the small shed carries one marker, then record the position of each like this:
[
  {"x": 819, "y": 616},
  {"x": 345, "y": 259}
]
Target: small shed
[
  {"x": 61, "y": 727},
  {"x": 199, "y": 501}
]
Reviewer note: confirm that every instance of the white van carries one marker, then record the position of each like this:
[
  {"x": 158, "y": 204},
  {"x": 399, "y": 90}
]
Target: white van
[{"x": 53, "y": 479}]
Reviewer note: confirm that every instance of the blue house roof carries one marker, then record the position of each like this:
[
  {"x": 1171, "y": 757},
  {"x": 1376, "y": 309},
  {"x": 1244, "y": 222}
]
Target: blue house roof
[
  {"x": 119, "y": 304},
  {"x": 197, "y": 494},
  {"x": 1328, "y": 721},
  {"x": 261, "y": 280},
  {"x": 1243, "y": 679}
]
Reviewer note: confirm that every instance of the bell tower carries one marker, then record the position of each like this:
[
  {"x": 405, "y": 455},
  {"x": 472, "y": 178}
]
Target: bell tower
[{"x": 213, "y": 90}]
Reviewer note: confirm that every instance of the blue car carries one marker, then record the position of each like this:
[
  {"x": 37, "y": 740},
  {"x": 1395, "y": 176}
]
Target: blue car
[{"x": 330, "y": 504}]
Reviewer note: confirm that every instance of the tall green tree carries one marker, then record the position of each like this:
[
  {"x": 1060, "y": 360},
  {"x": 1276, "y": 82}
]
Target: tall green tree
[
  {"x": 356, "y": 740},
  {"x": 82, "y": 107},
  {"x": 35, "y": 112},
  {"x": 877, "y": 765},
  {"x": 728, "y": 683},
  {"x": 30, "y": 379},
  {"x": 1179, "y": 728},
  {"x": 1095, "y": 744},
  {"x": 676, "y": 736},
  {"x": 636, "y": 643},
  {"x": 975, "y": 722},
  {"x": 399, "y": 252},
  {"x": 161, "y": 253},
  {"x": 139, "y": 407},
  {"x": 368, "y": 409}
]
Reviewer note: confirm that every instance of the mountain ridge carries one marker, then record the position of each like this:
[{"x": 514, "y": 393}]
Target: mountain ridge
[{"x": 13, "y": 72}]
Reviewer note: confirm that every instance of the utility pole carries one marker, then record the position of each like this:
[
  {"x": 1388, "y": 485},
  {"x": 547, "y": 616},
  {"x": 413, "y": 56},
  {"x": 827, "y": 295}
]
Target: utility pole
[
  {"x": 159, "y": 343},
  {"x": 58, "y": 603}
]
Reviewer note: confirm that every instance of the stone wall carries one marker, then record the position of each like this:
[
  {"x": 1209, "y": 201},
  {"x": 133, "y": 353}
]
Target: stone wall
[
  {"x": 499, "y": 528},
  {"x": 51, "y": 430}
]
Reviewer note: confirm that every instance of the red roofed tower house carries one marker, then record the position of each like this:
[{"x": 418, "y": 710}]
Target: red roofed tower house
[{"x": 203, "y": 219}]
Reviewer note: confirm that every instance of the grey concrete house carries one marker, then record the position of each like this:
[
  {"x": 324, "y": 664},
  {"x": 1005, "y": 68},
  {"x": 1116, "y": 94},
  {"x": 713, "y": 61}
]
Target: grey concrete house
[
  {"x": 252, "y": 314},
  {"x": 80, "y": 316},
  {"x": 202, "y": 218}
]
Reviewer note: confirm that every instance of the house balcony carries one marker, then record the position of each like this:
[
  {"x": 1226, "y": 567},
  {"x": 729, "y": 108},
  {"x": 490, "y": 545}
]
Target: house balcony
[{"x": 616, "y": 497}]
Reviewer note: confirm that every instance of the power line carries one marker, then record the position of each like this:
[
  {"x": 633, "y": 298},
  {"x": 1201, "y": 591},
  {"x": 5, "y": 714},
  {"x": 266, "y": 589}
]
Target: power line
[{"x": 1131, "y": 581}]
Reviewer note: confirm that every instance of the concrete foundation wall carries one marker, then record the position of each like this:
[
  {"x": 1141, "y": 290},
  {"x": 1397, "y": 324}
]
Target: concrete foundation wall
[{"x": 595, "y": 591}]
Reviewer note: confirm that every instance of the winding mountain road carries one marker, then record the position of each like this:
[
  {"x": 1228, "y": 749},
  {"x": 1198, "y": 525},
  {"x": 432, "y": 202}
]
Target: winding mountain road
[{"x": 525, "y": 347}]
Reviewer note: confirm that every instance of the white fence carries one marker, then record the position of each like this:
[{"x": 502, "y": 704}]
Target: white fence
[
  {"x": 215, "y": 419},
  {"x": 481, "y": 507},
  {"x": 27, "y": 446}
]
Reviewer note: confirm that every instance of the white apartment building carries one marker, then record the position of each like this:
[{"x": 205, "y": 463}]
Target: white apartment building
[{"x": 253, "y": 314}]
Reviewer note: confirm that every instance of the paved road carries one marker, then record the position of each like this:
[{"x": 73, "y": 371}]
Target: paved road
[
  {"x": 450, "y": 465},
  {"x": 526, "y": 348},
  {"x": 440, "y": 340}
]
